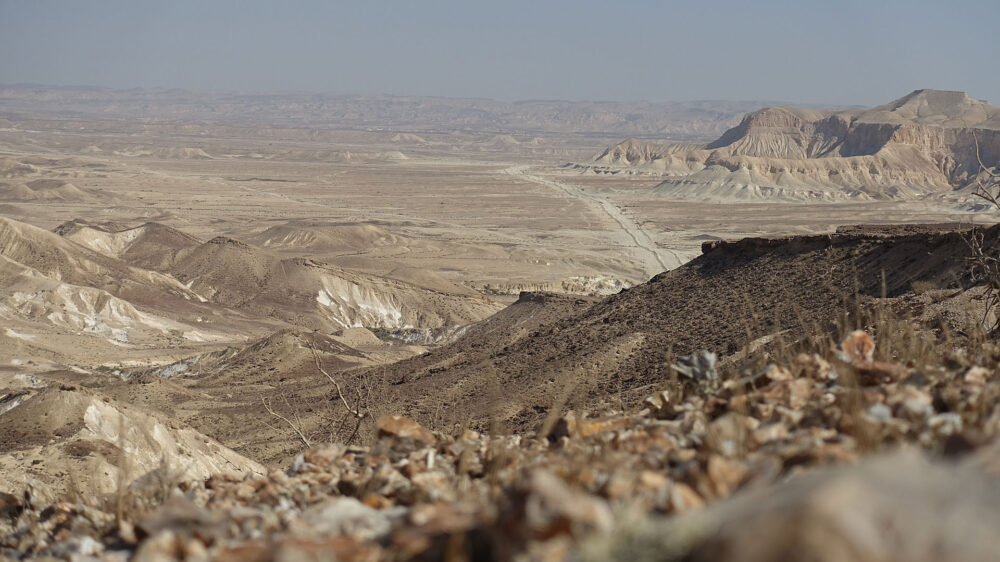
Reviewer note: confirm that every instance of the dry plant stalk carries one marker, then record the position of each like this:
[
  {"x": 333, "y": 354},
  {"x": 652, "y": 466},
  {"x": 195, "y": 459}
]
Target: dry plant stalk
[
  {"x": 984, "y": 263},
  {"x": 295, "y": 427},
  {"x": 356, "y": 412}
]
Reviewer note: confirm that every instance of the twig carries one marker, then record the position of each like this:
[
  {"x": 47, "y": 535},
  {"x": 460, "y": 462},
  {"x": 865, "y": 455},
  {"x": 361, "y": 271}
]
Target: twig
[
  {"x": 355, "y": 412},
  {"x": 985, "y": 267},
  {"x": 286, "y": 420},
  {"x": 982, "y": 167}
]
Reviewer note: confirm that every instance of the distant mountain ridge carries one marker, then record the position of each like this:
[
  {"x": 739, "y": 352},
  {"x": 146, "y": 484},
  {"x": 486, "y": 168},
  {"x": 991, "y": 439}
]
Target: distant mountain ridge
[
  {"x": 690, "y": 120},
  {"x": 923, "y": 143}
]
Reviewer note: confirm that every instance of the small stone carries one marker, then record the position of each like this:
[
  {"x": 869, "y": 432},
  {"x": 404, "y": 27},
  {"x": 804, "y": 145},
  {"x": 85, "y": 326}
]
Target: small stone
[
  {"x": 699, "y": 366},
  {"x": 776, "y": 373},
  {"x": 347, "y": 516},
  {"x": 880, "y": 412},
  {"x": 337, "y": 548},
  {"x": 126, "y": 530},
  {"x": 162, "y": 547},
  {"x": 654, "y": 480},
  {"x": 799, "y": 393},
  {"x": 404, "y": 428},
  {"x": 553, "y": 508},
  {"x": 618, "y": 486},
  {"x": 858, "y": 346},
  {"x": 912, "y": 404},
  {"x": 434, "y": 484},
  {"x": 815, "y": 367},
  {"x": 725, "y": 475},
  {"x": 945, "y": 424},
  {"x": 770, "y": 432},
  {"x": 586, "y": 428},
  {"x": 976, "y": 375},
  {"x": 729, "y": 435},
  {"x": 683, "y": 498}
]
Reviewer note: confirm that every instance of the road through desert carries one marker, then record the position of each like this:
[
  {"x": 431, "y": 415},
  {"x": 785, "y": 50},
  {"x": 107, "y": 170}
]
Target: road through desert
[{"x": 655, "y": 258}]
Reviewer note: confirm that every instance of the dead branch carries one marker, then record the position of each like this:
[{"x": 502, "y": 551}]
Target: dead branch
[
  {"x": 294, "y": 427},
  {"x": 356, "y": 411},
  {"x": 982, "y": 167},
  {"x": 984, "y": 264}
]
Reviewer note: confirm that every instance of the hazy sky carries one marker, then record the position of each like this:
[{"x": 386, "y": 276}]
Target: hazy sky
[{"x": 831, "y": 51}]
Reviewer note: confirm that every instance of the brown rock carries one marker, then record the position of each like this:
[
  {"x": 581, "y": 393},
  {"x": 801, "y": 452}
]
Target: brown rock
[
  {"x": 337, "y": 516},
  {"x": 725, "y": 475},
  {"x": 10, "y": 505},
  {"x": 552, "y": 508},
  {"x": 730, "y": 434},
  {"x": 813, "y": 366},
  {"x": 892, "y": 509},
  {"x": 165, "y": 546},
  {"x": 879, "y": 372},
  {"x": 859, "y": 347},
  {"x": 683, "y": 498},
  {"x": 248, "y": 552},
  {"x": 404, "y": 428},
  {"x": 338, "y": 548}
]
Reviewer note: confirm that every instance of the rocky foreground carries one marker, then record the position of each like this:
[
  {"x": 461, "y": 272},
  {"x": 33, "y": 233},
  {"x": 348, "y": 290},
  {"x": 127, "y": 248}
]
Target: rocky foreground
[{"x": 824, "y": 457}]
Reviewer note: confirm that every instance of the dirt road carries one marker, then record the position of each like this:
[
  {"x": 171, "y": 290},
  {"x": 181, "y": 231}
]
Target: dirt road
[{"x": 654, "y": 258}]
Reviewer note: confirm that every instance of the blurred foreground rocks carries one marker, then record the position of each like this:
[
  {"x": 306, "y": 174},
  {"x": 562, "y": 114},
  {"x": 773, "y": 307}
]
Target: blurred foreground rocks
[
  {"x": 898, "y": 508},
  {"x": 819, "y": 458}
]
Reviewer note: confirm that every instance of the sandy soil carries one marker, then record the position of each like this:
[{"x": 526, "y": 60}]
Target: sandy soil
[{"x": 399, "y": 222}]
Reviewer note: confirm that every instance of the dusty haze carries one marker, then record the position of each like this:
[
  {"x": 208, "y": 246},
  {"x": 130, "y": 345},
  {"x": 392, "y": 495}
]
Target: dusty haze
[
  {"x": 304, "y": 281},
  {"x": 844, "y": 53}
]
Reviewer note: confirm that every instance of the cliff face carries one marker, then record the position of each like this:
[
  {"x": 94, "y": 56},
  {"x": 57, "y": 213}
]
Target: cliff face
[
  {"x": 928, "y": 131},
  {"x": 921, "y": 144},
  {"x": 637, "y": 152},
  {"x": 782, "y": 132}
]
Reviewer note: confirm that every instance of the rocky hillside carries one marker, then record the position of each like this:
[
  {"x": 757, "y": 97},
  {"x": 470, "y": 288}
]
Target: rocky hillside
[
  {"x": 735, "y": 296},
  {"x": 793, "y": 464},
  {"x": 300, "y": 291},
  {"x": 921, "y": 144},
  {"x": 726, "y": 410}
]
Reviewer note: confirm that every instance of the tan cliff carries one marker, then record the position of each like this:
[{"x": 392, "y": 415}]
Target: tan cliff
[{"x": 922, "y": 144}]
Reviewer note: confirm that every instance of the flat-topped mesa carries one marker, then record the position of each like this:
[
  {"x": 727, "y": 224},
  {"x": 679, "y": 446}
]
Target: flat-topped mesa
[
  {"x": 931, "y": 120},
  {"x": 783, "y": 132},
  {"x": 923, "y": 144},
  {"x": 941, "y": 108}
]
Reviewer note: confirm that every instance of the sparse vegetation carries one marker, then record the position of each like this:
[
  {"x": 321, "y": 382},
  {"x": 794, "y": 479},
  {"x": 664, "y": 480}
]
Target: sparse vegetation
[
  {"x": 985, "y": 259},
  {"x": 317, "y": 311}
]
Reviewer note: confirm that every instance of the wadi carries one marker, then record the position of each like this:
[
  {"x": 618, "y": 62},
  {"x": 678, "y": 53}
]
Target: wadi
[{"x": 369, "y": 327}]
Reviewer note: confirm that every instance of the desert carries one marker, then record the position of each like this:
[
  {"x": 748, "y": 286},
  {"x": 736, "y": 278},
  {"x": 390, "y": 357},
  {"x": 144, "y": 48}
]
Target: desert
[
  {"x": 449, "y": 282},
  {"x": 216, "y": 308}
]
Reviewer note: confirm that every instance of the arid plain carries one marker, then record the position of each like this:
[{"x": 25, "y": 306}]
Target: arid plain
[
  {"x": 223, "y": 281},
  {"x": 456, "y": 208}
]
